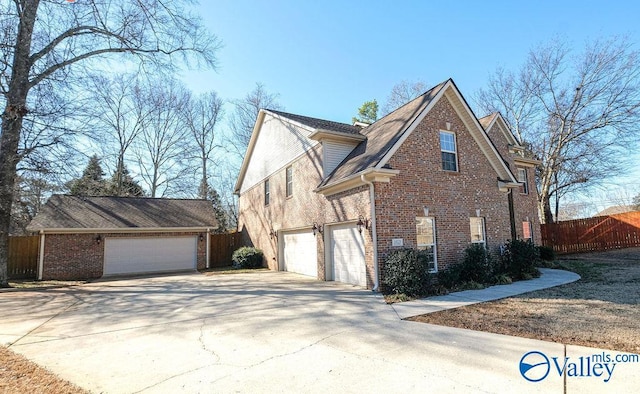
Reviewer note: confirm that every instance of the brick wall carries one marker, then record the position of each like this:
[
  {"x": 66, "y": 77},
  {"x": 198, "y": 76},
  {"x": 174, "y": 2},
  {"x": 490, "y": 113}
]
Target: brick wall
[
  {"x": 300, "y": 210},
  {"x": 452, "y": 197},
  {"x": 525, "y": 205},
  {"x": 80, "y": 256}
]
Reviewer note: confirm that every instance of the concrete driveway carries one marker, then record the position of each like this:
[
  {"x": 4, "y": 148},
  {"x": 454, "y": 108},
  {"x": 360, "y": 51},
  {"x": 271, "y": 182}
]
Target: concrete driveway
[{"x": 264, "y": 332}]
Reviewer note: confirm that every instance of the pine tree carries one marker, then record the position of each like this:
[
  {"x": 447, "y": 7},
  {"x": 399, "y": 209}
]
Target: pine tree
[
  {"x": 128, "y": 187},
  {"x": 221, "y": 215},
  {"x": 92, "y": 182}
]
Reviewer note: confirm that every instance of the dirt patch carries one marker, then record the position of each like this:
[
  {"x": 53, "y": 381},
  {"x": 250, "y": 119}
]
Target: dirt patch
[
  {"x": 600, "y": 310},
  {"x": 19, "y": 375}
]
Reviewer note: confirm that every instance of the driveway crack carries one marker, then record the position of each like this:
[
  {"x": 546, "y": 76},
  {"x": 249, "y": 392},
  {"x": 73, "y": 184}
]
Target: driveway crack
[
  {"x": 78, "y": 301},
  {"x": 204, "y": 345}
]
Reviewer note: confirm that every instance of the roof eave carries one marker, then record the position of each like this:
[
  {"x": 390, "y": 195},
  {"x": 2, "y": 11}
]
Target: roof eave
[
  {"x": 526, "y": 161},
  {"x": 127, "y": 230},
  {"x": 321, "y": 134},
  {"x": 370, "y": 174}
]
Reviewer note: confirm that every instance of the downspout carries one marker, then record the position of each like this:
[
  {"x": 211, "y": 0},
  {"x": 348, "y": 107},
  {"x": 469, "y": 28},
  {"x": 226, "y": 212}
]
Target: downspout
[
  {"x": 208, "y": 246},
  {"x": 374, "y": 232},
  {"x": 41, "y": 256}
]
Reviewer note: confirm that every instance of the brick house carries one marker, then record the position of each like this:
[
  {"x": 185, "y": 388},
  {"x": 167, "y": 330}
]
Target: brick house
[
  {"x": 91, "y": 237},
  {"x": 330, "y": 200}
]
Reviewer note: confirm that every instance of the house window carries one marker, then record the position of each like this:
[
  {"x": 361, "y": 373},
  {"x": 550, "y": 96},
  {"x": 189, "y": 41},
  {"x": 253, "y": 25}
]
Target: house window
[
  {"x": 267, "y": 194},
  {"x": 289, "y": 176},
  {"x": 522, "y": 178},
  {"x": 426, "y": 240},
  {"x": 478, "y": 235},
  {"x": 526, "y": 230},
  {"x": 448, "y": 151}
]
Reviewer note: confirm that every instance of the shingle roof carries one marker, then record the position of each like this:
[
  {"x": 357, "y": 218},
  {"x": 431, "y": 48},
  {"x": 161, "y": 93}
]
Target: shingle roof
[
  {"x": 320, "y": 124},
  {"x": 382, "y": 136},
  {"x": 73, "y": 212}
]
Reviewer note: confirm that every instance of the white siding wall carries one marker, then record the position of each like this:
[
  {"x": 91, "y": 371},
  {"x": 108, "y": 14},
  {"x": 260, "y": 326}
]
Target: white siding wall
[
  {"x": 278, "y": 143},
  {"x": 334, "y": 153}
]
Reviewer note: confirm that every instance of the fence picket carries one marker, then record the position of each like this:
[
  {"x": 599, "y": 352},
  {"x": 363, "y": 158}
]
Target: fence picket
[
  {"x": 593, "y": 234},
  {"x": 23, "y": 257}
]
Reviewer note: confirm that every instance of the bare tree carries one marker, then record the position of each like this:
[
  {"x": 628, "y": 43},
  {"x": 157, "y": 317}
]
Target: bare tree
[
  {"x": 244, "y": 115},
  {"x": 577, "y": 114},
  {"x": 119, "y": 114},
  {"x": 41, "y": 41},
  {"x": 402, "y": 93},
  {"x": 163, "y": 148},
  {"x": 202, "y": 116}
]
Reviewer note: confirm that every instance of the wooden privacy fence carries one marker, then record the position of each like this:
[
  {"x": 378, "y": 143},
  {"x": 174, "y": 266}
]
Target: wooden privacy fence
[
  {"x": 23, "y": 257},
  {"x": 593, "y": 234},
  {"x": 221, "y": 247}
]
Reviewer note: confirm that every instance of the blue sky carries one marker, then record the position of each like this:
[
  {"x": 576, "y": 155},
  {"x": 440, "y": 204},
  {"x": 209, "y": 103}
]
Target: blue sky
[{"x": 325, "y": 58}]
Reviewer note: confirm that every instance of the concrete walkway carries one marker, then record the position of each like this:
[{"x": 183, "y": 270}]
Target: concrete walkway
[{"x": 549, "y": 278}]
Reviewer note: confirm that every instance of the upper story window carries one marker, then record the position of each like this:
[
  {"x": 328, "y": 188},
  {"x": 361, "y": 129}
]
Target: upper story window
[
  {"x": 478, "y": 235},
  {"x": 267, "y": 193},
  {"x": 289, "y": 180},
  {"x": 448, "y": 151},
  {"x": 426, "y": 239},
  {"x": 522, "y": 178}
]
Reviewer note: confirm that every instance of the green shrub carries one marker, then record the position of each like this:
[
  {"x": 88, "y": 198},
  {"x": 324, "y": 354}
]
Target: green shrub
[
  {"x": 546, "y": 253},
  {"x": 502, "y": 279},
  {"x": 478, "y": 265},
  {"x": 519, "y": 259},
  {"x": 450, "y": 277},
  {"x": 247, "y": 257},
  {"x": 407, "y": 272}
]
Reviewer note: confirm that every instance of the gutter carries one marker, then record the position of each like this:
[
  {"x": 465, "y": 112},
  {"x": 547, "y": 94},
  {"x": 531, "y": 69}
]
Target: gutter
[{"x": 374, "y": 233}]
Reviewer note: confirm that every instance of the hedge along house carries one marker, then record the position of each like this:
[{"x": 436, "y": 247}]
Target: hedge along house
[
  {"x": 91, "y": 237},
  {"x": 331, "y": 200}
]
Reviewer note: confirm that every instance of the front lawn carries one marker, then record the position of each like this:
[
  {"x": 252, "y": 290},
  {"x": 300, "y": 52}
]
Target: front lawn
[{"x": 600, "y": 310}]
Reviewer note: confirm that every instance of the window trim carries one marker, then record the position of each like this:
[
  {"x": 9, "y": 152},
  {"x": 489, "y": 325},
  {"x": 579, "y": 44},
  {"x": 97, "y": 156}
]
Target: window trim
[
  {"x": 524, "y": 184},
  {"x": 454, "y": 152},
  {"x": 434, "y": 245},
  {"x": 288, "y": 178},
  {"x": 267, "y": 192},
  {"x": 483, "y": 230}
]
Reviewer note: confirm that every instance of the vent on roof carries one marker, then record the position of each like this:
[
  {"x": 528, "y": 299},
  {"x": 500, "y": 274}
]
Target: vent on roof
[{"x": 361, "y": 124}]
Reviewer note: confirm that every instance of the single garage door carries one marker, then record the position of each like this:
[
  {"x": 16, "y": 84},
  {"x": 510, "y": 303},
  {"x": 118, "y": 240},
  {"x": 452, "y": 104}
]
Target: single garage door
[
  {"x": 347, "y": 255},
  {"x": 139, "y": 255},
  {"x": 299, "y": 252}
]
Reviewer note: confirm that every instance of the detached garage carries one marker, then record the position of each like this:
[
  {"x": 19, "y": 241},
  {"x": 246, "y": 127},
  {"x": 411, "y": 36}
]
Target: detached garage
[{"x": 91, "y": 237}]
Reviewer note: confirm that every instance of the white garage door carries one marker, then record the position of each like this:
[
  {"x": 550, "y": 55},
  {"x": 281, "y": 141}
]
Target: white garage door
[
  {"x": 299, "y": 251},
  {"x": 138, "y": 255},
  {"x": 347, "y": 255}
]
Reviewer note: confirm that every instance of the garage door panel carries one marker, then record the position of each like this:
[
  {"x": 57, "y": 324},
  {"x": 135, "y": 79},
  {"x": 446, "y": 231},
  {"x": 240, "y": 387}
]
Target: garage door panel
[
  {"x": 347, "y": 255},
  {"x": 300, "y": 253},
  {"x": 139, "y": 255}
]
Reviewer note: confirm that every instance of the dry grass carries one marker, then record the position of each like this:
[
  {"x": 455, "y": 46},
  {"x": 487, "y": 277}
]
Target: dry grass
[
  {"x": 600, "y": 310},
  {"x": 19, "y": 375},
  {"x": 230, "y": 270},
  {"x": 37, "y": 284}
]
